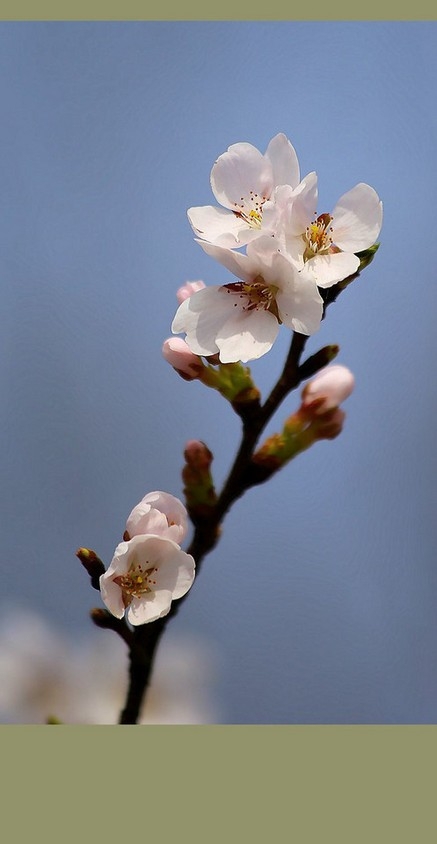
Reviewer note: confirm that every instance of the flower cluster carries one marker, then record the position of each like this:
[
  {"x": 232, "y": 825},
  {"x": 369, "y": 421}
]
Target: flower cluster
[
  {"x": 291, "y": 251},
  {"x": 149, "y": 569}
]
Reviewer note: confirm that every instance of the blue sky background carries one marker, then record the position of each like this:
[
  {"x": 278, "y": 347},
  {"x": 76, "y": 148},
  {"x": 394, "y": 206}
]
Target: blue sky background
[{"x": 320, "y": 601}]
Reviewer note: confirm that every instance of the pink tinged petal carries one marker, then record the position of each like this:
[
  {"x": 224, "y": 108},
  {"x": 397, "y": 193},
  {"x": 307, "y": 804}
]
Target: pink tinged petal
[
  {"x": 149, "y": 608},
  {"x": 271, "y": 219},
  {"x": 112, "y": 596},
  {"x": 188, "y": 289},
  {"x": 150, "y": 512},
  {"x": 303, "y": 205},
  {"x": 357, "y": 219},
  {"x": 236, "y": 262},
  {"x": 333, "y": 383},
  {"x": 300, "y": 305},
  {"x": 111, "y": 593},
  {"x": 150, "y": 522},
  {"x": 201, "y": 317},
  {"x": 120, "y": 561},
  {"x": 176, "y": 573},
  {"x": 329, "y": 269},
  {"x": 220, "y": 226},
  {"x": 283, "y": 159},
  {"x": 179, "y": 355},
  {"x": 175, "y": 569},
  {"x": 237, "y": 172},
  {"x": 247, "y": 335}
]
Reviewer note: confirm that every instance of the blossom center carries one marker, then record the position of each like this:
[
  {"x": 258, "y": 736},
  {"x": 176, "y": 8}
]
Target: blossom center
[
  {"x": 250, "y": 209},
  {"x": 255, "y": 295},
  {"x": 318, "y": 237},
  {"x": 138, "y": 581}
]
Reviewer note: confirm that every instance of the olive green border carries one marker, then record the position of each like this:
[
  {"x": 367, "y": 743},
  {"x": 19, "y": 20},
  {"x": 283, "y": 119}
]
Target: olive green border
[
  {"x": 224, "y": 10},
  {"x": 230, "y": 784},
  {"x": 300, "y": 784}
]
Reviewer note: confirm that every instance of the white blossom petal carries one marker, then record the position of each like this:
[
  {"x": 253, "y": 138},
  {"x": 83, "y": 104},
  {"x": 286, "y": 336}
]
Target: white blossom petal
[
  {"x": 333, "y": 267},
  {"x": 218, "y": 225},
  {"x": 303, "y": 204},
  {"x": 149, "y": 572},
  {"x": 158, "y": 513},
  {"x": 247, "y": 336},
  {"x": 201, "y": 316},
  {"x": 238, "y": 263},
  {"x": 239, "y": 171},
  {"x": 357, "y": 219},
  {"x": 112, "y": 596},
  {"x": 300, "y": 305},
  {"x": 150, "y": 608},
  {"x": 282, "y": 156}
]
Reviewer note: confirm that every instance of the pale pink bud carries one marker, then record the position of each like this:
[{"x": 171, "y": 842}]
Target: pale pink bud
[
  {"x": 188, "y": 289},
  {"x": 332, "y": 385},
  {"x": 197, "y": 454},
  {"x": 177, "y": 352}
]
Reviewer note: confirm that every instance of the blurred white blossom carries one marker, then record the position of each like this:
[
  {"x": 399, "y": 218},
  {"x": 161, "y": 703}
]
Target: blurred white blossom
[{"x": 84, "y": 681}]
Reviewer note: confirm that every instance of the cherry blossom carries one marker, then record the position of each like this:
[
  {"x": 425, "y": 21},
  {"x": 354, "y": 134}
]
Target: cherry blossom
[
  {"x": 326, "y": 244},
  {"x": 241, "y": 320},
  {"x": 158, "y": 513},
  {"x": 243, "y": 181},
  {"x": 145, "y": 575}
]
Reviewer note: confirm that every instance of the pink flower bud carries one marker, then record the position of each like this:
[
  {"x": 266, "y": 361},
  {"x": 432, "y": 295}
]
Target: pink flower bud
[
  {"x": 328, "y": 389},
  {"x": 177, "y": 352},
  {"x": 197, "y": 454},
  {"x": 188, "y": 289}
]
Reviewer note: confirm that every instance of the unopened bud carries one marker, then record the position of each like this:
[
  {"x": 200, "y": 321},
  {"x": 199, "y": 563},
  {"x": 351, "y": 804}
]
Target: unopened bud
[
  {"x": 199, "y": 489},
  {"x": 92, "y": 563},
  {"x": 198, "y": 455},
  {"x": 328, "y": 389},
  {"x": 188, "y": 289},
  {"x": 177, "y": 353}
]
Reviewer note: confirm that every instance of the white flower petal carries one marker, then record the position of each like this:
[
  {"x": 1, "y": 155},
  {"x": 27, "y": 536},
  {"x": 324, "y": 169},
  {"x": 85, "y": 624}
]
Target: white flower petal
[
  {"x": 146, "y": 521},
  {"x": 357, "y": 219},
  {"x": 333, "y": 267},
  {"x": 236, "y": 262},
  {"x": 158, "y": 513},
  {"x": 149, "y": 608},
  {"x": 300, "y": 305},
  {"x": 112, "y": 596},
  {"x": 172, "y": 508},
  {"x": 185, "y": 575},
  {"x": 247, "y": 335},
  {"x": 302, "y": 205},
  {"x": 201, "y": 317},
  {"x": 220, "y": 226},
  {"x": 237, "y": 172},
  {"x": 283, "y": 159}
]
